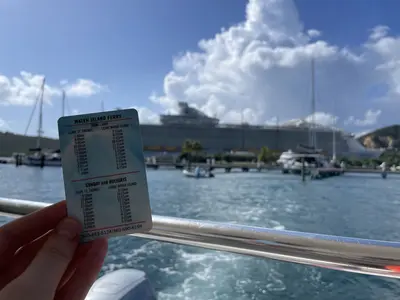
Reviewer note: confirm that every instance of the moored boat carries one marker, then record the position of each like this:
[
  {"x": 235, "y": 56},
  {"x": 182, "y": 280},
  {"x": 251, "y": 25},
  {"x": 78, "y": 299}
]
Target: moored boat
[
  {"x": 41, "y": 157},
  {"x": 198, "y": 173}
]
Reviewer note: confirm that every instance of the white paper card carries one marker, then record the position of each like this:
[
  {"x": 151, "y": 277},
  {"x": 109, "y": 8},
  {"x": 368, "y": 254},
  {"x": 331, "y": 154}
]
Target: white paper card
[{"x": 104, "y": 173}]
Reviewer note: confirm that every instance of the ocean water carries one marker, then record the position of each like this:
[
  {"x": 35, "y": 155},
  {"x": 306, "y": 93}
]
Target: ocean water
[{"x": 364, "y": 206}]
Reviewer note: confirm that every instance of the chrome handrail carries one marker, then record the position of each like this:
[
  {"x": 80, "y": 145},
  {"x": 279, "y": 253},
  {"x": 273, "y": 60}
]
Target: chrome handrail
[{"x": 355, "y": 255}]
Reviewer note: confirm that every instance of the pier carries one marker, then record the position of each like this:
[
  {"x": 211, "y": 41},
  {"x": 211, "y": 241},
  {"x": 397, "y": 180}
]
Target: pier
[
  {"x": 245, "y": 167},
  {"x": 317, "y": 173},
  {"x": 255, "y": 166},
  {"x": 322, "y": 173}
]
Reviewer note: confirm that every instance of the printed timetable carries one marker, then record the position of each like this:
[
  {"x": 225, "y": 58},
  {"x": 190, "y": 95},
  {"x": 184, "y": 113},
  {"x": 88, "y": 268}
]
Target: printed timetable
[{"x": 104, "y": 173}]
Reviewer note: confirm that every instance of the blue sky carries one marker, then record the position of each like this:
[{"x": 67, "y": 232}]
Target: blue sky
[
  {"x": 126, "y": 50},
  {"x": 346, "y": 22}
]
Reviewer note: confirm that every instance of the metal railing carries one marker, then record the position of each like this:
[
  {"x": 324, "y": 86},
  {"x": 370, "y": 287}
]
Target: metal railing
[{"x": 355, "y": 255}]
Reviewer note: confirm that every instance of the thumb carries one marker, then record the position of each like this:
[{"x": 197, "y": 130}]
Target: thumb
[{"x": 49, "y": 265}]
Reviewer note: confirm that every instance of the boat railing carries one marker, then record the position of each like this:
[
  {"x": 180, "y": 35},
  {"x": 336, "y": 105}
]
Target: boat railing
[{"x": 365, "y": 256}]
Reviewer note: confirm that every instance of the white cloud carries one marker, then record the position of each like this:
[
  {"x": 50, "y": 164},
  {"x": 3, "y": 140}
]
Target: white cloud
[
  {"x": 24, "y": 89},
  {"x": 83, "y": 88},
  {"x": 272, "y": 122},
  {"x": 323, "y": 118},
  {"x": 261, "y": 67},
  {"x": 146, "y": 116},
  {"x": 362, "y": 133},
  {"x": 313, "y": 33},
  {"x": 378, "y": 32},
  {"x": 370, "y": 118},
  {"x": 4, "y": 126},
  {"x": 258, "y": 71}
]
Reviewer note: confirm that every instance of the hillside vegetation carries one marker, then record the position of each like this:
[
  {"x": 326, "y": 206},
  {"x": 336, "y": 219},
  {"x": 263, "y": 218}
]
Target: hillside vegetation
[
  {"x": 387, "y": 137},
  {"x": 10, "y": 142}
]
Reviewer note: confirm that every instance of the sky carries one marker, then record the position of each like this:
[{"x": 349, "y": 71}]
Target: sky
[{"x": 232, "y": 59}]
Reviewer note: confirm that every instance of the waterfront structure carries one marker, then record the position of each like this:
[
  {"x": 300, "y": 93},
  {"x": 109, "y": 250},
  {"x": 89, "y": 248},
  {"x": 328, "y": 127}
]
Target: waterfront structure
[{"x": 192, "y": 124}]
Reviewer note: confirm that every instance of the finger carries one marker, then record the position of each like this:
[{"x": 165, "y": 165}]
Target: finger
[
  {"x": 86, "y": 273},
  {"x": 52, "y": 260},
  {"x": 22, "y": 260},
  {"x": 19, "y": 232},
  {"x": 79, "y": 257},
  {"x": 25, "y": 255}
]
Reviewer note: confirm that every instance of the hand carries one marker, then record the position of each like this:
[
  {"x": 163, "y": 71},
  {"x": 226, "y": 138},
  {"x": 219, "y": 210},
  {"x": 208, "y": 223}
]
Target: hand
[{"x": 41, "y": 258}]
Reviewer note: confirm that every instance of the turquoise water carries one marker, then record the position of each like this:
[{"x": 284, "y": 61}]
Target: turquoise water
[{"x": 364, "y": 206}]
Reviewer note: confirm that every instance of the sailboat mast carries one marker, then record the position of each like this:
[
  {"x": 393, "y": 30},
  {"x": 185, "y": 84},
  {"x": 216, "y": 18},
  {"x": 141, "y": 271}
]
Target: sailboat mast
[
  {"x": 333, "y": 131},
  {"x": 40, "y": 114},
  {"x": 102, "y": 105},
  {"x": 334, "y": 144},
  {"x": 313, "y": 133},
  {"x": 63, "y": 104}
]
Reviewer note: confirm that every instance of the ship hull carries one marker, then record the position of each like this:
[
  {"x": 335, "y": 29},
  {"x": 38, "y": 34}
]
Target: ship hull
[
  {"x": 170, "y": 139},
  {"x": 46, "y": 163},
  {"x": 36, "y": 161}
]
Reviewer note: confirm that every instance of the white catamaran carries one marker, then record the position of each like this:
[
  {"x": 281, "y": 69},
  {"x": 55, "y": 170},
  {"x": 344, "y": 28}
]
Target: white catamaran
[{"x": 308, "y": 155}]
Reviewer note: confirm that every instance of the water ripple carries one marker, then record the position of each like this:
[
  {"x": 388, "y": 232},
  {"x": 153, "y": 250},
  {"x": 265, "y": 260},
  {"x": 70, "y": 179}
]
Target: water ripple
[{"x": 353, "y": 205}]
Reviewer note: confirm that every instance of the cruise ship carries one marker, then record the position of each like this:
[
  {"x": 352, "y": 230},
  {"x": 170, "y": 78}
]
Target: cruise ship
[{"x": 193, "y": 124}]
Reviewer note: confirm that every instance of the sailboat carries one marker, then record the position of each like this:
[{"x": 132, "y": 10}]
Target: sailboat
[
  {"x": 41, "y": 157},
  {"x": 309, "y": 155},
  {"x": 312, "y": 142}
]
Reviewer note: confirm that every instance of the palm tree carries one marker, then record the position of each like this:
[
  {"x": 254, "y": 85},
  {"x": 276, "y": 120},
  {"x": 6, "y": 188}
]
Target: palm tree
[
  {"x": 196, "y": 146},
  {"x": 191, "y": 146},
  {"x": 264, "y": 155},
  {"x": 187, "y": 146}
]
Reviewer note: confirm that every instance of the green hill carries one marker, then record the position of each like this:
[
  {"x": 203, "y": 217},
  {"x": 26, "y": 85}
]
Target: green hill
[
  {"x": 10, "y": 142},
  {"x": 386, "y": 137}
]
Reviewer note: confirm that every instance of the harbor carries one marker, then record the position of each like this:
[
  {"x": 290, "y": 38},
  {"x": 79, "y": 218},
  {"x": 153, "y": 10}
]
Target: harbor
[
  {"x": 340, "y": 206},
  {"x": 245, "y": 167},
  {"x": 315, "y": 147},
  {"x": 262, "y": 195},
  {"x": 200, "y": 150},
  {"x": 153, "y": 164}
]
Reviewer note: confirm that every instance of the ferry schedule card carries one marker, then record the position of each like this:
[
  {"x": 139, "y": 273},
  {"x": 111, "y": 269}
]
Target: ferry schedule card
[{"x": 104, "y": 173}]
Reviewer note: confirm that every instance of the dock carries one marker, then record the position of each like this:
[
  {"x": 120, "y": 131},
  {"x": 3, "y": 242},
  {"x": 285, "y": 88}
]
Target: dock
[
  {"x": 245, "y": 167},
  {"x": 322, "y": 173},
  {"x": 319, "y": 173}
]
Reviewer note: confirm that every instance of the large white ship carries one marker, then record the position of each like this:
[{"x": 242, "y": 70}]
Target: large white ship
[{"x": 191, "y": 123}]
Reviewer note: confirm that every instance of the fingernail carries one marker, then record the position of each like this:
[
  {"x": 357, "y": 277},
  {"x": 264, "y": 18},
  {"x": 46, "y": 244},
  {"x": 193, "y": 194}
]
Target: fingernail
[{"x": 69, "y": 228}]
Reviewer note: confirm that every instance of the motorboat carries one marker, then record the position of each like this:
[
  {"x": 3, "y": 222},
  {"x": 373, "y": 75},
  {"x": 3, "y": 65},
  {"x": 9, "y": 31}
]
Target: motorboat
[
  {"x": 292, "y": 162},
  {"x": 198, "y": 173},
  {"x": 46, "y": 159},
  {"x": 126, "y": 284}
]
